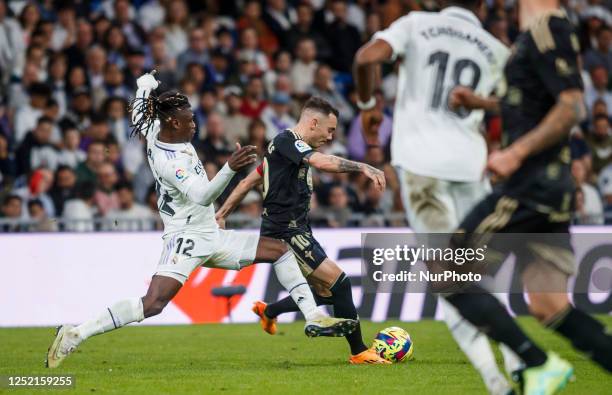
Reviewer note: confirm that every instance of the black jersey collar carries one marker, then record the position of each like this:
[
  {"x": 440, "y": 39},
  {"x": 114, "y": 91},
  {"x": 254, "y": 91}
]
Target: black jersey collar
[{"x": 462, "y": 13}]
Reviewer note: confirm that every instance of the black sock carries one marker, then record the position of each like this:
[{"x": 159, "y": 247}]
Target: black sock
[
  {"x": 586, "y": 334},
  {"x": 344, "y": 307},
  {"x": 287, "y": 305},
  {"x": 488, "y": 314}
]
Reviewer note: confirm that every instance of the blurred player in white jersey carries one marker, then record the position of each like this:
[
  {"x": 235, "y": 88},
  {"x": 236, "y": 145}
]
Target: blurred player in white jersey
[
  {"x": 440, "y": 154},
  {"x": 192, "y": 237}
]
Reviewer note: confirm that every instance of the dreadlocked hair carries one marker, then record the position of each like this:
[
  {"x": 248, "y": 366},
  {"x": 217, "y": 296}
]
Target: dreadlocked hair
[{"x": 161, "y": 107}]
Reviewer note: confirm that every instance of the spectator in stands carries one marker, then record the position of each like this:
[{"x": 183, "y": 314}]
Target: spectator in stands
[
  {"x": 591, "y": 208},
  {"x": 253, "y": 102},
  {"x": 7, "y": 162},
  {"x": 249, "y": 49},
  {"x": 113, "y": 86},
  {"x": 116, "y": 46},
  {"x": 235, "y": 123},
  {"x": 257, "y": 137},
  {"x": 276, "y": 116},
  {"x": 75, "y": 54},
  {"x": 323, "y": 87},
  {"x": 356, "y": 144},
  {"x": 10, "y": 42},
  {"x": 12, "y": 210},
  {"x": 282, "y": 66},
  {"x": 344, "y": 38},
  {"x": 81, "y": 108},
  {"x": 197, "y": 52},
  {"x": 279, "y": 17},
  {"x": 605, "y": 187},
  {"x": 304, "y": 67},
  {"x": 64, "y": 187},
  {"x": 176, "y": 26},
  {"x": 133, "y": 32},
  {"x": 87, "y": 171},
  {"x": 38, "y": 185},
  {"x": 304, "y": 28},
  {"x": 207, "y": 105},
  {"x": 164, "y": 64},
  {"x": 135, "y": 67},
  {"x": 37, "y": 213},
  {"x": 105, "y": 197},
  {"x": 79, "y": 213},
  {"x": 252, "y": 18},
  {"x": 36, "y": 149},
  {"x": 600, "y": 143},
  {"x": 57, "y": 81},
  {"x": 599, "y": 88},
  {"x": 27, "y": 116},
  {"x": 602, "y": 54},
  {"x": 338, "y": 212},
  {"x": 215, "y": 146},
  {"x": 71, "y": 154},
  {"x": 129, "y": 216},
  {"x": 251, "y": 207}
]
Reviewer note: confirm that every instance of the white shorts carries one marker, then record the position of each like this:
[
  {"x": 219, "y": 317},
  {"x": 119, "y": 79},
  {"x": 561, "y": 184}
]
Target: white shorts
[
  {"x": 226, "y": 249},
  {"x": 438, "y": 206}
]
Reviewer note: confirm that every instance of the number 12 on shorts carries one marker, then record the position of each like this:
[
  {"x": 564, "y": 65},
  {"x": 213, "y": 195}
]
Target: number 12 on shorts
[{"x": 189, "y": 244}]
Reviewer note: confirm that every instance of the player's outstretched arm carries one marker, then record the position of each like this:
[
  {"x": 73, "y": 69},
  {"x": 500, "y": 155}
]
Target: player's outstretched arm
[
  {"x": 145, "y": 83},
  {"x": 335, "y": 164},
  {"x": 234, "y": 199}
]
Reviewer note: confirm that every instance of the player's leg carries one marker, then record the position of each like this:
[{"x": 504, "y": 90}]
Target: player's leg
[
  {"x": 437, "y": 206},
  {"x": 548, "y": 302},
  {"x": 161, "y": 290}
]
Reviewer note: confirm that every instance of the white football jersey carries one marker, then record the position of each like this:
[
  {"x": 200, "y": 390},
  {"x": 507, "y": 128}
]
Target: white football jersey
[
  {"x": 176, "y": 168},
  {"x": 440, "y": 51}
]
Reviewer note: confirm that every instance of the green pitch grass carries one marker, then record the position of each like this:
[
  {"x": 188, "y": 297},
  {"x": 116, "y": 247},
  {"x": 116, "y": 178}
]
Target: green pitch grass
[{"x": 242, "y": 359}]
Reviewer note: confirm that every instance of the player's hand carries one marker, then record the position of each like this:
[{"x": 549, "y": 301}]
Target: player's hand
[
  {"x": 375, "y": 175},
  {"x": 220, "y": 221},
  {"x": 242, "y": 157},
  {"x": 370, "y": 122},
  {"x": 504, "y": 163},
  {"x": 147, "y": 81},
  {"x": 465, "y": 97}
]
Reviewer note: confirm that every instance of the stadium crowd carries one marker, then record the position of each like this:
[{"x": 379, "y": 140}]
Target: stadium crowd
[{"x": 68, "y": 71}]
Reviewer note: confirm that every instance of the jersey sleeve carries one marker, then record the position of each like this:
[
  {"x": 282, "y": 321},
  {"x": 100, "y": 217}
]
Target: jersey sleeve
[
  {"x": 294, "y": 150},
  {"x": 178, "y": 173},
  {"x": 398, "y": 34},
  {"x": 555, "y": 55}
]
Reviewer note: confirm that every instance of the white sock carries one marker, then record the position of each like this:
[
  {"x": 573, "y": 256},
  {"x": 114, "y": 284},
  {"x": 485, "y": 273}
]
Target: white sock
[
  {"x": 290, "y": 276},
  {"x": 116, "y": 316},
  {"x": 475, "y": 345}
]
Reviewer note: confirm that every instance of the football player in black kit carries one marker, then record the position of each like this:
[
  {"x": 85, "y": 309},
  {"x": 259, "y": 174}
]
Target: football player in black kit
[{"x": 287, "y": 187}]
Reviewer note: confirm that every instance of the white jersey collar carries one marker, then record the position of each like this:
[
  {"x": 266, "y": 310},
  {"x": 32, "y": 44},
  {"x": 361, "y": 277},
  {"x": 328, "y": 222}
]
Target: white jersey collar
[
  {"x": 462, "y": 13},
  {"x": 168, "y": 146}
]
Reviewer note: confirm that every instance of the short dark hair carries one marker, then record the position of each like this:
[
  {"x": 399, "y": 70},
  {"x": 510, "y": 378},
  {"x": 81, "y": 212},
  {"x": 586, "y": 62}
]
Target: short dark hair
[
  {"x": 34, "y": 202},
  {"x": 85, "y": 190},
  {"x": 320, "y": 105},
  {"x": 8, "y": 199},
  {"x": 44, "y": 119},
  {"x": 464, "y": 3},
  {"x": 124, "y": 185},
  {"x": 599, "y": 117}
]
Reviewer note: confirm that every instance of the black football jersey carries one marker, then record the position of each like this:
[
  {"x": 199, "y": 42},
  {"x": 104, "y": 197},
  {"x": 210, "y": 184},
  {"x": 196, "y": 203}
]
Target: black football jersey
[
  {"x": 287, "y": 185},
  {"x": 544, "y": 63}
]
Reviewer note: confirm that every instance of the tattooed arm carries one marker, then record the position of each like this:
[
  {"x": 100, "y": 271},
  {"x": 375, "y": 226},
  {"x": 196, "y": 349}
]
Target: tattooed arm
[{"x": 335, "y": 164}]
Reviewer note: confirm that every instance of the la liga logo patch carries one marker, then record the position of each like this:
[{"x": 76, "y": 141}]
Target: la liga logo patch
[
  {"x": 302, "y": 146},
  {"x": 180, "y": 174}
]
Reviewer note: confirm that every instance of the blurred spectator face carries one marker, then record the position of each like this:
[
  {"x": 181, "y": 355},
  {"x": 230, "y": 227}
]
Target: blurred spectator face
[
  {"x": 95, "y": 154},
  {"x": 195, "y": 72},
  {"x": 188, "y": 87},
  {"x": 304, "y": 15},
  {"x": 601, "y": 127},
  {"x": 257, "y": 132},
  {"x": 177, "y": 12},
  {"x": 101, "y": 27},
  {"x": 122, "y": 11},
  {"x": 113, "y": 75},
  {"x": 65, "y": 178},
  {"x": 248, "y": 39},
  {"x": 107, "y": 176},
  {"x": 219, "y": 62},
  {"x": 116, "y": 109},
  {"x": 233, "y": 103},
  {"x": 30, "y": 15},
  {"x": 115, "y": 38},
  {"x": 135, "y": 62},
  {"x": 65, "y": 16},
  {"x": 604, "y": 40},
  {"x": 43, "y": 131},
  {"x": 52, "y": 110},
  {"x": 72, "y": 139},
  {"x": 197, "y": 41},
  {"x": 338, "y": 198},
  {"x": 12, "y": 207},
  {"x": 255, "y": 88},
  {"x": 208, "y": 101},
  {"x": 36, "y": 55},
  {"x": 323, "y": 78},
  {"x": 278, "y": 5},
  {"x": 36, "y": 210},
  {"x": 306, "y": 51},
  {"x": 158, "y": 51},
  {"x": 152, "y": 201},
  {"x": 339, "y": 10},
  {"x": 600, "y": 108},
  {"x": 252, "y": 10},
  {"x": 283, "y": 62},
  {"x": 126, "y": 198},
  {"x": 84, "y": 34},
  {"x": 373, "y": 23},
  {"x": 3, "y": 147},
  {"x": 30, "y": 74},
  {"x": 283, "y": 84},
  {"x": 76, "y": 77},
  {"x": 214, "y": 126},
  {"x": 594, "y": 24},
  {"x": 96, "y": 59},
  {"x": 99, "y": 130},
  {"x": 248, "y": 68},
  {"x": 2, "y": 10},
  {"x": 58, "y": 68},
  {"x": 81, "y": 103},
  {"x": 226, "y": 40},
  {"x": 599, "y": 76},
  {"x": 579, "y": 172}
]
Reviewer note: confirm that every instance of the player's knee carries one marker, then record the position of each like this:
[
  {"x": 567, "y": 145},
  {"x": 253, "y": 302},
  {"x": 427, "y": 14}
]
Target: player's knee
[
  {"x": 545, "y": 307},
  {"x": 153, "y": 306}
]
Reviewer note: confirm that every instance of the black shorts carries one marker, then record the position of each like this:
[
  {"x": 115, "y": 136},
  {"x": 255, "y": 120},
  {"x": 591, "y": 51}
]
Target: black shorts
[
  {"x": 305, "y": 247},
  {"x": 506, "y": 226}
]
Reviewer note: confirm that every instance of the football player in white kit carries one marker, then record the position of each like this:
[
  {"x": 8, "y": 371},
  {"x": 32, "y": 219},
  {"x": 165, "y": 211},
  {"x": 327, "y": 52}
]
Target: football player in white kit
[
  {"x": 192, "y": 237},
  {"x": 439, "y": 153}
]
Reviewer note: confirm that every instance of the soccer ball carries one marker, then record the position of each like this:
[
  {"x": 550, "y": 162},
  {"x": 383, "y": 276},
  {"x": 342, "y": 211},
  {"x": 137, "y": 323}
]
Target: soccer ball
[{"x": 393, "y": 344}]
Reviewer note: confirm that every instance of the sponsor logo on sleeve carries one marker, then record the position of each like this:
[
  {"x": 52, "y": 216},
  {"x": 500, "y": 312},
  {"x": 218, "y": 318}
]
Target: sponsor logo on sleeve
[
  {"x": 180, "y": 174},
  {"x": 302, "y": 146}
]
